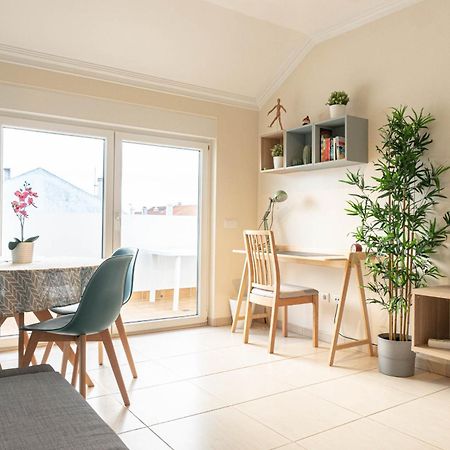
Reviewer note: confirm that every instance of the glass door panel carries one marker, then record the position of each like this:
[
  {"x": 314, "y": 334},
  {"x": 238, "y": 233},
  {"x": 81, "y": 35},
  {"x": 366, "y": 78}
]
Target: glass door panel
[
  {"x": 160, "y": 192},
  {"x": 67, "y": 172}
]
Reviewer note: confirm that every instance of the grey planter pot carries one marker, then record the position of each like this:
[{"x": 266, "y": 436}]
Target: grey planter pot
[{"x": 395, "y": 358}]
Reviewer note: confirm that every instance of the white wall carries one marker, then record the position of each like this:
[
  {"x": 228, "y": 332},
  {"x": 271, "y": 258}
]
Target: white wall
[{"x": 400, "y": 59}]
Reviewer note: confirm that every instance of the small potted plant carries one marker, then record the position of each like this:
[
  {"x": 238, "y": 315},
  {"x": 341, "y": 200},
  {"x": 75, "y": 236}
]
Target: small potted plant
[
  {"x": 277, "y": 153},
  {"x": 22, "y": 249},
  {"x": 337, "y": 102},
  {"x": 400, "y": 228}
]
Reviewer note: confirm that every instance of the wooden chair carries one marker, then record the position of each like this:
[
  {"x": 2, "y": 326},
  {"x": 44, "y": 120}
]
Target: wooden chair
[
  {"x": 264, "y": 286},
  {"x": 98, "y": 309},
  {"x": 72, "y": 309}
]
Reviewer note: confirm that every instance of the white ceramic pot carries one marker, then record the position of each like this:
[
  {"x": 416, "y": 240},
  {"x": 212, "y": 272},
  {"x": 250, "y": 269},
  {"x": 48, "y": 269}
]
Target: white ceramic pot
[
  {"x": 23, "y": 253},
  {"x": 277, "y": 162},
  {"x": 337, "y": 111}
]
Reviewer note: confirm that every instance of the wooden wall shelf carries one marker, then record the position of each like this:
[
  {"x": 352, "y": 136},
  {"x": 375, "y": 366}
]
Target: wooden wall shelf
[{"x": 353, "y": 129}]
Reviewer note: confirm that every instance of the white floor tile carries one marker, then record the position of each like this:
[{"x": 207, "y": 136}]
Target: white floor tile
[
  {"x": 360, "y": 393},
  {"x": 427, "y": 418},
  {"x": 297, "y": 414},
  {"x": 363, "y": 434},
  {"x": 171, "y": 401},
  {"x": 224, "y": 429},
  {"x": 215, "y": 361},
  {"x": 143, "y": 439},
  {"x": 115, "y": 414},
  {"x": 241, "y": 385}
]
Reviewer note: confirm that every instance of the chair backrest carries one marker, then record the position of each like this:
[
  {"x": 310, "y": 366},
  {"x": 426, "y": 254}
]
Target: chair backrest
[
  {"x": 262, "y": 261},
  {"x": 102, "y": 299},
  {"x": 130, "y": 275}
]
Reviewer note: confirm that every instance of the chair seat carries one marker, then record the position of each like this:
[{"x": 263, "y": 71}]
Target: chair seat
[
  {"x": 64, "y": 310},
  {"x": 51, "y": 326},
  {"x": 287, "y": 291}
]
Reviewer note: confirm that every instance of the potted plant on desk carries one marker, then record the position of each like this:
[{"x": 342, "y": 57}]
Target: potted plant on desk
[
  {"x": 22, "y": 249},
  {"x": 399, "y": 229}
]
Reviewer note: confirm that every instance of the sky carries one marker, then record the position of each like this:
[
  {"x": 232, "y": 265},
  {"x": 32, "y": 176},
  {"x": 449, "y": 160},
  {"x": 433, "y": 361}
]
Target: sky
[{"x": 151, "y": 175}]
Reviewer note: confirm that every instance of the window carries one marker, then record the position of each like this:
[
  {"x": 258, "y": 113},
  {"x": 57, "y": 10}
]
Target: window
[{"x": 67, "y": 172}]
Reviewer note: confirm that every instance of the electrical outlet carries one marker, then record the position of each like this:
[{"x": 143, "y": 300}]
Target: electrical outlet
[
  {"x": 325, "y": 296},
  {"x": 336, "y": 298}
]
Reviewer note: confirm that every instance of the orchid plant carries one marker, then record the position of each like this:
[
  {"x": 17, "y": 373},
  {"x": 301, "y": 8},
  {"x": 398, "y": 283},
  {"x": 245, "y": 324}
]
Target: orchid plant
[{"x": 25, "y": 198}]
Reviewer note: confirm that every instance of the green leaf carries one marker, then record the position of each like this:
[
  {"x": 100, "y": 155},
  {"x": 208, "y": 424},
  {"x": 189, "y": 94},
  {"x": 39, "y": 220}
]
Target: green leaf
[
  {"x": 31, "y": 239},
  {"x": 13, "y": 244}
]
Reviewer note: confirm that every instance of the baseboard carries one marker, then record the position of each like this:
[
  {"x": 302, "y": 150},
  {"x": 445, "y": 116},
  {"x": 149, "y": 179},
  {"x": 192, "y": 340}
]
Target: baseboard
[{"x": 219, "y": 321}]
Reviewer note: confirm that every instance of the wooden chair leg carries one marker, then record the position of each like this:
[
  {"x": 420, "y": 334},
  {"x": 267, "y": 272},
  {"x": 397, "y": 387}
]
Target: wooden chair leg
[
  {"x": 107, "y": 342},
  {"x": 26, "y": 339},
  {"x": 82, "y": 378},
  {"x": 31, "y": 347},
  {"x": 48, "y": 349},
  {"x": 75, "y": 366},
  {"x": 100, "y": 354},
  {"x": 248, "y": 320},
  {"x": 65, "y": 358},
  {"x": 315, "y": 330},
  {"x": 126, "y": 345},
  {"x": 284, "y": 323},
  {"x": 273, "y": 328}
]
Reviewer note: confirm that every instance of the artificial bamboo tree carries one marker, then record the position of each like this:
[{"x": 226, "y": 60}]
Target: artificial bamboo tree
[{"x": 399, "y": 225}]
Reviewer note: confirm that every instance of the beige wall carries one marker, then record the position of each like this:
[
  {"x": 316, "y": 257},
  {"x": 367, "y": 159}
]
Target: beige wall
[
  {"x": 401, "y": 59},
  {"x": 236, "y": 157}
]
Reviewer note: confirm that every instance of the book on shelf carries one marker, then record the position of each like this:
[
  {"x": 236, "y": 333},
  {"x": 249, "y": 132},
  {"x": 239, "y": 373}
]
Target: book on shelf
[
  {"x": 338, "y": 148},
  {"x": 325, "y": 144},
  {"x": 332, "y": 148}
]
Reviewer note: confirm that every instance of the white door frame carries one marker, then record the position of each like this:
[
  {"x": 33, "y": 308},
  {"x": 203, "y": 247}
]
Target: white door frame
[
  {"x": 203, "y": 223},
  {"x": 108, "y": 174}
]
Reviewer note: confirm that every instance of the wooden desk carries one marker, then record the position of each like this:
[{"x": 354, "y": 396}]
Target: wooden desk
[{"x": 345, "y": 262}]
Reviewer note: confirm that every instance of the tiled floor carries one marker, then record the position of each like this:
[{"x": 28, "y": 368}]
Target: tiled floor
[{"x": 203, "y": 389}]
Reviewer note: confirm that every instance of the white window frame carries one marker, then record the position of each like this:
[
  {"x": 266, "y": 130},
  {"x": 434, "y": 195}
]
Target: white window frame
[
  {"x": 203, "y": 288},
  {"x": 113, "y": 134}
]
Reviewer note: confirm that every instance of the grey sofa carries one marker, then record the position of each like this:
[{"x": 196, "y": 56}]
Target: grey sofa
[{"x": 39, "y": 409}]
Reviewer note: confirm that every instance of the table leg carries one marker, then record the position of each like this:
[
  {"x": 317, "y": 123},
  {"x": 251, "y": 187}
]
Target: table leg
[
  {"x": 45, "y": 315},
  {"x": 240, "y": 296},
  {"x": 362, "y": 296},
  {"x": 340, "y": 311},
  {"x": 177, "y": 283},
  {"x": 20, "y": 319}
]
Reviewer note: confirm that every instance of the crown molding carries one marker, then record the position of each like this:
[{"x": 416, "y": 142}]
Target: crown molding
[
  {"x": 40, "y": 60},
  {"x": 31, "y": 58},
  {"x": 299, "y": 55}
]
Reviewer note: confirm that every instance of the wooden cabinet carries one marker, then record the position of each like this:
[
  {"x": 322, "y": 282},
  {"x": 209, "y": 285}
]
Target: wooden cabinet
[
  {"x": 431, "y": 319},
  {"x": 353, "y": 129}
]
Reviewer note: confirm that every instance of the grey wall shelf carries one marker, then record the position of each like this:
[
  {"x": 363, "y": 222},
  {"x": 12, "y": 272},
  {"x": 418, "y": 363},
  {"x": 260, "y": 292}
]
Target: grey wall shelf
[{"x": 353, "y": 129}]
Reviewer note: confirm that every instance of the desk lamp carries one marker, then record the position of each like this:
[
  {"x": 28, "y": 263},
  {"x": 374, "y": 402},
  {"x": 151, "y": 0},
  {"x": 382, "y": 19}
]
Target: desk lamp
[{"x": 278, "y": 197}]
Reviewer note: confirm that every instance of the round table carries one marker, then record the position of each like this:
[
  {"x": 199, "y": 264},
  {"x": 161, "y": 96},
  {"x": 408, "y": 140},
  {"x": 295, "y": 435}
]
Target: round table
[{"x": 40, "y": 285}]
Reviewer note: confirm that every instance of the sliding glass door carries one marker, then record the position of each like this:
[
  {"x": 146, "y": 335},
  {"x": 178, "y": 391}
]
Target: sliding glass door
[
  {"x": 101, "y": 189},
  {"x": 159, "y": 210}
]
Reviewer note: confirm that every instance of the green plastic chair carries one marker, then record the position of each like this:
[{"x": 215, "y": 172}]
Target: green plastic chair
[
  {"x": 72, "y": 309},
  {"x": 99, "y": 307}
]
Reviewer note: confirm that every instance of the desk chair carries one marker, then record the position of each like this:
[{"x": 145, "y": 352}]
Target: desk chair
[
  {"x": 72, "y": 309},
  {"x": 264, "y": 286},
  {"x": 98, "y": 309}
]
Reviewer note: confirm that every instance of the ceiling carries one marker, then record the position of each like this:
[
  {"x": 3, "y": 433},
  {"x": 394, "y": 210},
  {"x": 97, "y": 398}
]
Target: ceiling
[{"x": 231, "y": 51}]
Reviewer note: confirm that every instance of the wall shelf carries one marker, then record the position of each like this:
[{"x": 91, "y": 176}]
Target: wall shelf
[{"x": 353, "y": 129}]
